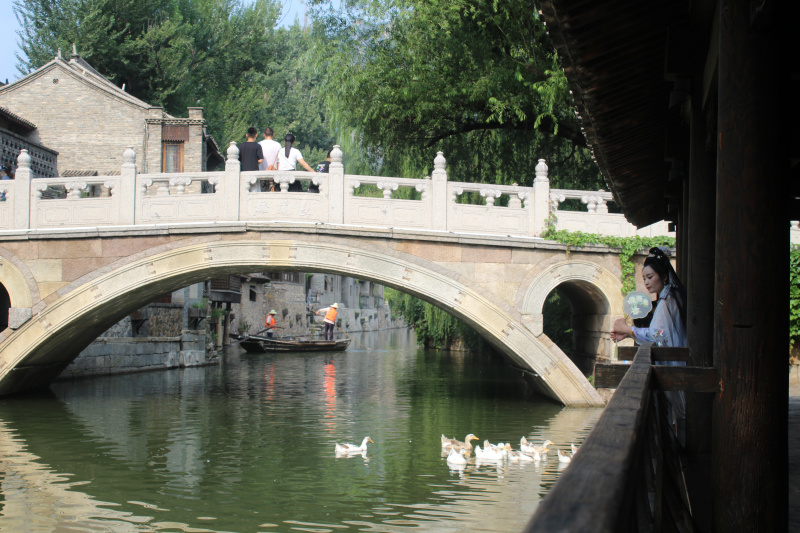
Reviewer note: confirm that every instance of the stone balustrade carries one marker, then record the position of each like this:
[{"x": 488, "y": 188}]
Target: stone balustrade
[{"x": 432, "y": 203}]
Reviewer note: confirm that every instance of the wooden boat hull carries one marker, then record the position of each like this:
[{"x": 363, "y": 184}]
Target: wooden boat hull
[{"x": 256, "y": 344}]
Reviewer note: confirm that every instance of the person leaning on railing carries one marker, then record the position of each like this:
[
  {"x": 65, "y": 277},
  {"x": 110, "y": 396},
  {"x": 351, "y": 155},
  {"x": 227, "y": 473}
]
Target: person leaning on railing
[{"x": 667, "y": 326}]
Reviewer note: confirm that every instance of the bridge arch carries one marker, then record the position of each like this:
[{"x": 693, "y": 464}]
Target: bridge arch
[
  {"x": 17, "y": 280},
  {"x": 96, "y": 301},
  {"x": 590, "y": 288}
]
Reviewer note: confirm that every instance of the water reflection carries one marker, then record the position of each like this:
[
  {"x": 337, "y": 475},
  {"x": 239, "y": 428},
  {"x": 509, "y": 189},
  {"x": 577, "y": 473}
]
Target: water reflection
[{"x": 249, "y": 445}]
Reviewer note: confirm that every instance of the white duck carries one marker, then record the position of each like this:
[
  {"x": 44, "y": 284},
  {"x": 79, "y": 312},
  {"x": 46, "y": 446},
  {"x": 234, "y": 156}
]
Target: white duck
[
  {"x": 531, "y": 449},
  {"x": 348, "y": 448},
  {"x": 488, "y": 455},
  {"x": 573, "y": 448},
  {"x": 457, "y": 445},
  {"x": 457, "y": 458},
  {"x": 515, "y": 456},
  {"x": 563, "y": 458}
]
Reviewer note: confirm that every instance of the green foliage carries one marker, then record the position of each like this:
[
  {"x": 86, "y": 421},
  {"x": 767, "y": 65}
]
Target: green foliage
[
  {"x": 557, "y": 314},
  {"x": 223, "y": 55},
  {"x": 478, "y": 80},
  {"x": 628, "y": 246},
  {"x": 794, "y": 295},
  {"x": 434, "y": 327}
]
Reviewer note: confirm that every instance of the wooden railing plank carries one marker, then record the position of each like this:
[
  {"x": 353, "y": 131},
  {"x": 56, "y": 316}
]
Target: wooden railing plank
[
  {"x": 664, "y": 353},
  {"x": 686, "y": 378},
  {"x": 667, "y": 378},
  {"x": 608, "y": 375},
  {"x": 657, "y": 353},
  {"x": 587, "y": 496}
]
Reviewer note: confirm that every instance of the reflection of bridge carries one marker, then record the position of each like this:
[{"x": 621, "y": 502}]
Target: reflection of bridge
[{"x": 76, "y": 265}]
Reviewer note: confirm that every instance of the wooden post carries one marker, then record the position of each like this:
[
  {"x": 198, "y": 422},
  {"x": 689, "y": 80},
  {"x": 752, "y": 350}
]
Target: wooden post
[
  {"x": 750, "y": 293},
  {"x": 700, "y": 208}
]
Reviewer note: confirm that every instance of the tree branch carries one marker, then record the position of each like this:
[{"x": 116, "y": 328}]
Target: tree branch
[{"x": 547, "y": 126}]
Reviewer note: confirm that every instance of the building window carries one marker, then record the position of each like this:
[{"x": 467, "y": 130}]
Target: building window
[
  {"x": 173, "y": 157},
  {"x": 252, "y": 294}
]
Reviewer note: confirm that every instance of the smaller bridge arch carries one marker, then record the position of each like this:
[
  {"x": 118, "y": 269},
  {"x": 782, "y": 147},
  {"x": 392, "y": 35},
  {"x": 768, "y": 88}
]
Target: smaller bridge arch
[{"x": 594, "y": 294}]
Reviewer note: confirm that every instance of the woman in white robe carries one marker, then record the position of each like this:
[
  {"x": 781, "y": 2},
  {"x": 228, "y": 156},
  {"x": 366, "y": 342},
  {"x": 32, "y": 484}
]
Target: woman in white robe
[{"x": 668, "y": 324}]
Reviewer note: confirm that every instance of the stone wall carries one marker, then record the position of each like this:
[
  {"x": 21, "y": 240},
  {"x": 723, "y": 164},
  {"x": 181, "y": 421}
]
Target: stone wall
[
  {"x": 119, "y": 355},
  {"x": 289, "y": 300},
  {"x": 166, "y": 320},
  {"x": 249, "y": 315}
]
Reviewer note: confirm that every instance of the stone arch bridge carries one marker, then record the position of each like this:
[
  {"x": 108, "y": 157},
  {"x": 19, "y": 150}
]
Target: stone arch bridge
[{"x": 77, "y": 256}]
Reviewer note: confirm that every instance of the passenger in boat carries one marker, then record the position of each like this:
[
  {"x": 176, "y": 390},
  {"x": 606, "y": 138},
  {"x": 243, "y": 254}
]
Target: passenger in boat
[
  {"x": 270, "y": 324},
  {"x": 668, "y": 325},
  {"x": 329, "y": 321}
]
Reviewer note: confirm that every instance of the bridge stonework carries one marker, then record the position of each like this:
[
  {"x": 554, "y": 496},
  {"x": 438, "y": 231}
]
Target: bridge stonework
[
  {"x": 76, "y": 264},
  {"x": 75, "y": 288}
]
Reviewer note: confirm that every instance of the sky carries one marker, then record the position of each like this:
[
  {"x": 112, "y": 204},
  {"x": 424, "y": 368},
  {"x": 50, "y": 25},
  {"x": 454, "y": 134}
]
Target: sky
[{"x": 8, "y": 61}]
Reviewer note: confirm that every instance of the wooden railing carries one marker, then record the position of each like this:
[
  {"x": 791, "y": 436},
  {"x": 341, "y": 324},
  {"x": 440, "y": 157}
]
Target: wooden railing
[{"x": 628, "y": 474}]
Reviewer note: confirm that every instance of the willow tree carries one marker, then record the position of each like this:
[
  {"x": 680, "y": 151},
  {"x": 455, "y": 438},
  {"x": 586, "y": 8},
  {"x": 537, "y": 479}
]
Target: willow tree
[{"x": 477, "y": 80}]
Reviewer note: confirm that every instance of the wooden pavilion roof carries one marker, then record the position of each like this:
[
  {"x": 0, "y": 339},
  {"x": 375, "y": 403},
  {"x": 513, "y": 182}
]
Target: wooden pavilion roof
[{"x": 613, "y": 54}]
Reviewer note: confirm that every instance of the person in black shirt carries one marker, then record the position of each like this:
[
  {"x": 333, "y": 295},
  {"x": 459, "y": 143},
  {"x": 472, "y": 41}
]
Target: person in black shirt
[
  {"x": 250, "y": 153},
  {"x": 323, "y": 168}
]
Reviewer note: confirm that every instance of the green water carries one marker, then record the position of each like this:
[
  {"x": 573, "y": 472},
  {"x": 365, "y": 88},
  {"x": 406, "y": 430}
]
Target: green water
[{"x": 248, "y": 445}]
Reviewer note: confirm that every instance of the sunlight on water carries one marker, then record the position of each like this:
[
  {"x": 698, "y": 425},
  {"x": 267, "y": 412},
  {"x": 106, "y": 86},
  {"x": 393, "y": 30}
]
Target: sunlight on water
[{"x": 248, "y": 445}]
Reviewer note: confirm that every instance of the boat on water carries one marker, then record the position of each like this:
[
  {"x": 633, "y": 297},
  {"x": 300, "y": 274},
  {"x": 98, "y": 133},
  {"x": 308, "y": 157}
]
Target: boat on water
[{"x": 258, "y": 344}]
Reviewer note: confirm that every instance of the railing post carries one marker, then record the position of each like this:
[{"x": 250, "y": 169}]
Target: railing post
[
  {"x": 541, "y": 199},
  {"x": 22, "y": 191},
  {"x": 127, "y": 188},
  {"x": 336, "y": 187},
  {"x": 232, "y": 189},
  {"x": 439, "y": 200}
]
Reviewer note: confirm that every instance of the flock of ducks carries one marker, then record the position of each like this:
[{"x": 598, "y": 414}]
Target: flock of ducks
[{"x": 458, "y": 451}]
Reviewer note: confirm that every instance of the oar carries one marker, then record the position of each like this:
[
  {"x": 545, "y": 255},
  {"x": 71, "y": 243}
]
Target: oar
[
  {"x": 349, "y": 337},
  {"x": 263, "y": 330}
]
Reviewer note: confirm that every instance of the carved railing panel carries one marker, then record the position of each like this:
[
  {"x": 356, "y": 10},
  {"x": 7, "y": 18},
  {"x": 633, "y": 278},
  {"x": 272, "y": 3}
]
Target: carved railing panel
[{"x": 298, "y": 196}]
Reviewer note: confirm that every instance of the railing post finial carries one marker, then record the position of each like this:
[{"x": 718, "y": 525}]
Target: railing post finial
[
  {"x": 233, "y": 152},
  {"x": 439, "y": 162},
  {"x": 541, "y": 171},
  {"x": 336, "y": 156},
  {"x": 129, "y": 158},
  {"x": 23, "y": 159}
]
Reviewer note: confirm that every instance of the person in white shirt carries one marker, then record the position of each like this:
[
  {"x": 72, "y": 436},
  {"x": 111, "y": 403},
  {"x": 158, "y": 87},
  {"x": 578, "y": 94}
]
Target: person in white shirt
[
  {"x": 270, "y": 149},
  {"x": 289, "y": 156}
]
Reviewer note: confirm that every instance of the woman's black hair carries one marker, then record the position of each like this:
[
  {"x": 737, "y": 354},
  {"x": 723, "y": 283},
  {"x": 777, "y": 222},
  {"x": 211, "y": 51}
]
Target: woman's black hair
[
  {"x": 659, "y": 262},
  {"x": 289, "y": 141}
]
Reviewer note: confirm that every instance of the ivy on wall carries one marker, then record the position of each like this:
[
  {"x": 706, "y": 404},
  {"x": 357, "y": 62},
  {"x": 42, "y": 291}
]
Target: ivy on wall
[
  {"x": 794, "y": 297},
  {"x": 628, "y": 247}
]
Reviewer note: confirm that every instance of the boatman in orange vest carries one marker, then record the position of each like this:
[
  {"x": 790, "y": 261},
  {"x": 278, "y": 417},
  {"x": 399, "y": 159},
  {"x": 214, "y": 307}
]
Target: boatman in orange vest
[
  {"x": 269, "y": 323},
  {"x": 329, "y": 321}
]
